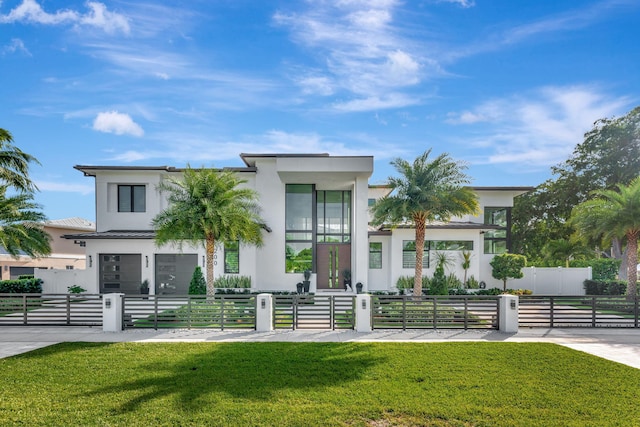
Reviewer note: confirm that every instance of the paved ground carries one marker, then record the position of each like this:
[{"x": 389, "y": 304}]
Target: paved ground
[{"x": 619, "y": 345}]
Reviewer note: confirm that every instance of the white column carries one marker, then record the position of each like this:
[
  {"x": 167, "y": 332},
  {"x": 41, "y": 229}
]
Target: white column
[
  {"x": 264, "y": 313},
  {"x": 112, "y": 307},
  {"x": 509, "y": 309},
  {"x": 363, "y": 313}
]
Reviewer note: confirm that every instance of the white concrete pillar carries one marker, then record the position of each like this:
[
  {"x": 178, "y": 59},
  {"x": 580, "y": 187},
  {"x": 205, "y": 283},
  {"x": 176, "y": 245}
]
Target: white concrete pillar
[
  {"x": 264, "y": 313},
  {"x": 363, "y": 313},
  {"x": 509, "y": 310},
  {"x": 112, "y": 307}
]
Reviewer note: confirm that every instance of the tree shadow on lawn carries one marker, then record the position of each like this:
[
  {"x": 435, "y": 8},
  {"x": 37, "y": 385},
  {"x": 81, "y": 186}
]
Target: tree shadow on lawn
[{"x": 252, "y": 371}]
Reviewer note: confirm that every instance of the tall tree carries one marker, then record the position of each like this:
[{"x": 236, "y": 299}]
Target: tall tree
[
  {"x": 609, "y": 155},
  {"x": 21, "y": 229},
  {"x": 208, "y": 207},
  {"x": 14, "y": 164},
  {"x": 426, "y": 190},
  {"x": 614, "y": 214}
]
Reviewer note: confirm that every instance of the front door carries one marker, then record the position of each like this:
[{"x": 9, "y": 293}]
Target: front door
[{"x": 332, "y": 260}]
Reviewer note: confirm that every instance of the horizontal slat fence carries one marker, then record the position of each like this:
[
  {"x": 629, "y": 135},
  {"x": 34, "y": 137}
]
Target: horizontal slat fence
[
  {"x": 434, "y": 312},
  {"x": 314, "y": 312},
  {"x": 578, "y": 311},
  {"x": 190, "y": 311},
  {"x": 50, "y": 310}
]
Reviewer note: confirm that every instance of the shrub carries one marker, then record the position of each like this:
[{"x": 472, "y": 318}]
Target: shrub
[
  {"x": 605, "y": 287},
  {"x": 232, "y": 281},
  {"x": 601, "y": 268},
  {"x": 472, "y": 283},
  {"x": 75, "y": 289},
  {"x": 453, "y": 282},
  {"x": 21, "y": 286},
  {"x": 197, "y": 285}
]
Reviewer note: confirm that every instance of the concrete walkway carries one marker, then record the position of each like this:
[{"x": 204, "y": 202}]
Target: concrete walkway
[{"x": 619, "y": 345}]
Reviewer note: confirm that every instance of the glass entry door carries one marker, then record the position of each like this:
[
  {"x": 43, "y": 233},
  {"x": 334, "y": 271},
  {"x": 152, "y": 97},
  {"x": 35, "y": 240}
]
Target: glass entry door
[{"x": 332, "y": 260}]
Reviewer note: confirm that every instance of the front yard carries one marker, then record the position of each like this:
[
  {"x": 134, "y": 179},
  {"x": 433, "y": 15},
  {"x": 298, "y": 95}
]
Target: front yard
[{"x": 293, "y": 384}]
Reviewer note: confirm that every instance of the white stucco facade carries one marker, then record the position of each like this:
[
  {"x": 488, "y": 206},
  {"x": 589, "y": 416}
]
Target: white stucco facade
[{"x": 122, "y": 250}]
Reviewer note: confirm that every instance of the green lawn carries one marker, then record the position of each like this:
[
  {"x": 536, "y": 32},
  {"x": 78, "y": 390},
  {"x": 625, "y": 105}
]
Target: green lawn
[{"x": 310, "y": 384}]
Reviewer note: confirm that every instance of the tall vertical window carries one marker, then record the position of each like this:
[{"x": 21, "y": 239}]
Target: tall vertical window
[
  {"x": 333, "y": 210},
  {"x": 232, "y": 257},
  {"x": 375, "y": 255},
  {"x": 299, "y": 227},
  {"x": 131, "y": 198},
  {"x": 409, "y": 254},
  {"x": 497, "y": 241}
]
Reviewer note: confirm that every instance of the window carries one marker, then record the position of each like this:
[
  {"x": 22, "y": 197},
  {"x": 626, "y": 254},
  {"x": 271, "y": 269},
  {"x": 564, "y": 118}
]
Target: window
[
  {"x": 232, "y": 258},
  {"x": 375, "y": 255},
  {"x": 333, "y": 212},
  {"x": 131, "y": 198},
  {"x": 299, "y": 227},
  {"x": 451, "y": 245},
  {"x": 497, "y": 241},
  {"x": 69, "y": 267},
  {"x": 409, "y": 254},
  {"x": 371, "y": 202}
]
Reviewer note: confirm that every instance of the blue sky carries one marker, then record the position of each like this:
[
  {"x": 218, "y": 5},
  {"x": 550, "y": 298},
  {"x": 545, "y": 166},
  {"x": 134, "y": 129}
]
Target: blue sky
[{"x": 507, "y": 86}]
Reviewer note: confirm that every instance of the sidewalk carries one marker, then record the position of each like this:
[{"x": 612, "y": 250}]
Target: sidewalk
[{"x": 619, "y": 345}]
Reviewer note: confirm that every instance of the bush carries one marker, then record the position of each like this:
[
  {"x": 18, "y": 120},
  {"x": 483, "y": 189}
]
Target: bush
[
  {"x": 601, "y": 268},
  {"x": 605, "y": 287},
  {"x": 75, "y": 289},
  {"x": 472, "y": 283},
  {"x": 197, "y": 285},
  {"x": 21, "y": 286},
  {"x": 232, "y": 281}
]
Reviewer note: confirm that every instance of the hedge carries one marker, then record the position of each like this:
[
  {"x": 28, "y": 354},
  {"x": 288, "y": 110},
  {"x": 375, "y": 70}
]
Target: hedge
[
  {"x": 21, "y": 286},
  {"x": 601, "y": 268},
  {"x": 605, "y": 287}
]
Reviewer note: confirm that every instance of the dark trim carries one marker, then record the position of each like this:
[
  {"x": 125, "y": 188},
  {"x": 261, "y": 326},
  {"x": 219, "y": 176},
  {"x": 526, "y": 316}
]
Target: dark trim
[{"x": 90, "y": 170}]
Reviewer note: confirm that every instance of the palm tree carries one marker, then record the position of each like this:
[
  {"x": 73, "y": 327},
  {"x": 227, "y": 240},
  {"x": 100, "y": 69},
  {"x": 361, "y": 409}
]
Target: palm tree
[
  {"x": 614, "y": 214},
  {"x": 14, "y": 164},
  {"x": 207, "y": 207},
  {"x": 565, "y": 250},
  {"x": 425, "y": 191},
  {"x": 21, "y": 229}
]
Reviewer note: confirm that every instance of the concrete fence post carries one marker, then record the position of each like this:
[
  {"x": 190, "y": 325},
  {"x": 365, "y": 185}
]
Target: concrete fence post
[
  {"x": 112, "y": 309},
  {"x": 264, "y": 313},
  {"x": 363, "y": 313},
  {"x": 509, "y": 311}
]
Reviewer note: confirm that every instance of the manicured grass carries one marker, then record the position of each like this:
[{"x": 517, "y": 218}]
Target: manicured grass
[{"x": 311, "y": 384}]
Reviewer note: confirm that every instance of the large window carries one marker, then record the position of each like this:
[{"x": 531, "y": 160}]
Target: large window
[
  {"x": 333, "y": 209},
  {"x": 375, "y": 255},
  {"x": 299, "y": 227},
  {"x": 232, "y": 257},
  {"x": 409, "y": 254},
  {"x": 497, "y": 241},
  {"x": 131, "y": 198}
]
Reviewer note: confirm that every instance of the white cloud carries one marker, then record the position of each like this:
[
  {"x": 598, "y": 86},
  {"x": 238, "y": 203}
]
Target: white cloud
[
  {"x": 118, "y": 123},
  {"x": 30, "y": 11},
  {"x": 462, "y": 3},
  {"x": 359, "y": 49},
  {"x": 83, "y": 189},
  {"x": 16, "y": 45},
  {"x": 538, "y": 129},
  {"x": 392, "y": 100}
]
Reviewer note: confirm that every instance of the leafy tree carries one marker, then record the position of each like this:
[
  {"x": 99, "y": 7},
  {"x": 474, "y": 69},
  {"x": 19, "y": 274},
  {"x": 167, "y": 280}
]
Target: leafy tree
[
  {"x": 14, "y": 165},
  {"x": 197, "y": 285},
  {"x": 507, "y": 266},
  {"x": 609, "y": 155},
  {"x": 427, "y": 190},
  {"x": 614, "y": 214},
  {"x": 21, "y": 229},
  {"x": 206, "y": 206},
  {"x": 563, "y": 250}
]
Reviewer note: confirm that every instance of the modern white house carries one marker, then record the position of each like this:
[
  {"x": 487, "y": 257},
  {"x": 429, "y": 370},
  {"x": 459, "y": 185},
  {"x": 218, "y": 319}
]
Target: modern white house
[{"x": 316, "y": 210}]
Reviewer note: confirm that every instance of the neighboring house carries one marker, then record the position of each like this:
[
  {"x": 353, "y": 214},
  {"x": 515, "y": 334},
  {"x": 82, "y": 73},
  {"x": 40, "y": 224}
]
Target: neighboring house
[
  {"x": 315, "y": 207},
  {"x": 65, "y": 254}
]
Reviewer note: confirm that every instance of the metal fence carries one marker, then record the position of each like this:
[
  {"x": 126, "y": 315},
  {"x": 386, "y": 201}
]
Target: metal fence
[
  {"x": 50, "y": 310},
  {"x": 434, "y": 312},
  {"x": 190, "y": 311},
  {"x": 578, "y": 311},
  {"x": 314, "y": 312}
]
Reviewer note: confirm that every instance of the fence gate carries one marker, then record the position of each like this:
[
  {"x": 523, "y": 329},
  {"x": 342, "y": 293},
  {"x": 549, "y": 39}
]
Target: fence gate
[{"x": 314, "y": 312}]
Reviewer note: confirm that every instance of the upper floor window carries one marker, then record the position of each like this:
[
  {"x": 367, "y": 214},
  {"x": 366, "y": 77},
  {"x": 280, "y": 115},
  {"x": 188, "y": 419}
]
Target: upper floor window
[
  {"x": 131, "y": 198},
  {"x": 496, "y": 241}
]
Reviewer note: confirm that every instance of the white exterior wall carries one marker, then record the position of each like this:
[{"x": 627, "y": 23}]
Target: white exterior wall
[{"x": 379, "y": 279}]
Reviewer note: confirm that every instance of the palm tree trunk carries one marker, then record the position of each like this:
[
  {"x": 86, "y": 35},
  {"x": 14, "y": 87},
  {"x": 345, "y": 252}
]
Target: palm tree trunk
[
  {"x": 632, "y": 263},
  {"x": 420, "y": 223},
  {"x": 210, "y": 245}
]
